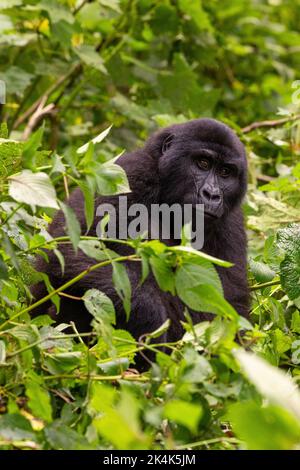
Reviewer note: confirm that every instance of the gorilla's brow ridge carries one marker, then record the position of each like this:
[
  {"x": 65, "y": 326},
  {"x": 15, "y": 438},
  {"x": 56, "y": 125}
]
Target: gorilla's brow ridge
[{"x": 222, "y": 149}]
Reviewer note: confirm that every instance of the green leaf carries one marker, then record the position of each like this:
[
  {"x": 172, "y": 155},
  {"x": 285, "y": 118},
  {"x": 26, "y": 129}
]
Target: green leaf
[
  {"x": 93, "y": 249},
  {"x": 96, "y": 140},
  {"x": 101, "y": 397},
  {"x": 271, "y": 382},
  {"x": 31, "y": 146},
  {"x": 9, "y": 3},
  {"x": 100, "y": 306},
  {"x": 163, "y": 273},
  {"x": 264, "y": 428},
  {"x": 261, "y": 271},
  {"x": 190, "y": 253},
  {"x": 2, "y": 352},
  {"x": 3, "y": 269},
  {"x": 190, "y": 96},
  {"x": 3, "y": 130},
  {"x": 62, "y": 437},
  {"x": 57, "y": 11},
  {"x": 111, "y": 179},
  {"x": 120, "y": 426},
  {"x": 39, "y": 398},
  {"x": 63, "y": 362},
  {"x": 190, "y": 275},
  {"x": 288, "y": 240},
  {"x": 196, "y": 13},
  {"x": 122, "y": 285},
  {"x": 161, "y": 330},
  {"x": 184, "y": 413},
  {"x": 15, "y": 427},
  {"x": 117, "y": 366},
  {"x": 90, "y": 57},
  {"x": 34, "y": 189},
  {"x": 16, "y": 80},
  {"x": 199, "y": 287},
  {"x": 295, "y": 324},
  {"x": 205, "y": 298},
  {"x": 72, "y": 224},
  {"x": 89, "y": 202}
]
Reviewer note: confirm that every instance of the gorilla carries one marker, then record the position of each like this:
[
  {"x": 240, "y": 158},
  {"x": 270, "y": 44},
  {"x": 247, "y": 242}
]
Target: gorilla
[{"x": 199, "y": 162}]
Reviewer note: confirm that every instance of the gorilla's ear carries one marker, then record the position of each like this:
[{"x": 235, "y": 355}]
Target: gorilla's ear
[
  {"x": 167, "y": 143},
  {"x": 160, "y": 142}
]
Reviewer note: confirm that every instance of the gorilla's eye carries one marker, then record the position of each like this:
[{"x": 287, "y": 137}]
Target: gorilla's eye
[
  {"x": 204, "y": 164},
  {"x": 225, "y": 171}
]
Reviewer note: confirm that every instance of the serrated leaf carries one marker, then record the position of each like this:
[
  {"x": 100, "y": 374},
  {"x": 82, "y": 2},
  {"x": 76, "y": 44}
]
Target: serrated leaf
[
  {"x": 261, "y": 271},
  {"x": 288, "y": 239}
]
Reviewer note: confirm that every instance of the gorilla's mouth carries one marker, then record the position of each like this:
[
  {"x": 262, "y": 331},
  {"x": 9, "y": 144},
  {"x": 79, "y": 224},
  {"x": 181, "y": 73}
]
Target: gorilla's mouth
[{"x": 210, "y": 215}]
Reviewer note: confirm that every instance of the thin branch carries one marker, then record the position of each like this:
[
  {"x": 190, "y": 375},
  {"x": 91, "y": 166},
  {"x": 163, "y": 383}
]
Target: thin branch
[
  {"x": 73, "y": 297},
  {"x": 265, "y": 284},
  {"x": 265, "y": 178},
  {"x": 77, "y": 9},
  {"x": 40, "y": 113},
  {"x": 46, "y": 95},
  {"x": 109, "y": 378},
  {"x": 206, "y": 442},
  {"x": 271, "y": 123}
]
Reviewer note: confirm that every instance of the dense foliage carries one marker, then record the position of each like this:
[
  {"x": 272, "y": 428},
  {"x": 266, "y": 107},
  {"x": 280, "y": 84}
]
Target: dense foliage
[{"x": 72, "y": 68}]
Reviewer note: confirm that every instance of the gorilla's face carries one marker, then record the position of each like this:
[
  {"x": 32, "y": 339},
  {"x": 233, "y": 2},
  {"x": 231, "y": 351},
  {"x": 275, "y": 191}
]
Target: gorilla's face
[{"x": 193, "y": 171}]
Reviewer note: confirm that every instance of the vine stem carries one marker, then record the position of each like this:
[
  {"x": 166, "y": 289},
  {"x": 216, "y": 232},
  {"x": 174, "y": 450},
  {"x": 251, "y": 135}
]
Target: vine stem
[
  {"x": 272, "y": 123},
  {"x": 66, "y": 239},
  {"x": 68, "y": 284},
  {"x": 216, "y": 440},
  {"x": 265, "y": 284},
  {"x": 138, "y": 378}
]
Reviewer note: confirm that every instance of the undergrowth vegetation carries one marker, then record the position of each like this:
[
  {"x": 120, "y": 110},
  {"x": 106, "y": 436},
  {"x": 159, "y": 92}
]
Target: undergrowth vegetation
[{"x": 71, "y": 70}]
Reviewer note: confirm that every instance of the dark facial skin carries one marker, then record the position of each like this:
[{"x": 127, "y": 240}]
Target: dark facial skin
[{"x": 202, "y": 173}]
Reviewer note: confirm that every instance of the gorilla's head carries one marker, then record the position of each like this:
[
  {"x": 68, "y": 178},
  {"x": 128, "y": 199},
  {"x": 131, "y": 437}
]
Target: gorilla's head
[{"x": 200, "y": 162}]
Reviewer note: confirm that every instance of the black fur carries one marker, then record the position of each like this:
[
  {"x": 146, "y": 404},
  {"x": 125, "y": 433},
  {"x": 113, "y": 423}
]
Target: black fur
[{"x": 163, "y": 171}]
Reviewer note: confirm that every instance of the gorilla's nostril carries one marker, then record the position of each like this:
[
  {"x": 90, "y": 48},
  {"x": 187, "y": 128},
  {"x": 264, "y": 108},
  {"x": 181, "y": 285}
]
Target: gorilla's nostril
[
  {"x": 210, "y": 196},
  {"x": 206, "y": 195},
  {"x": 215, "y": 197}
]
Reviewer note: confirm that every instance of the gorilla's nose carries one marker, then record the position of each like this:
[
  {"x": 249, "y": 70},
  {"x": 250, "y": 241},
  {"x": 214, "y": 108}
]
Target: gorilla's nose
[{"x": 210, "y": 196}]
